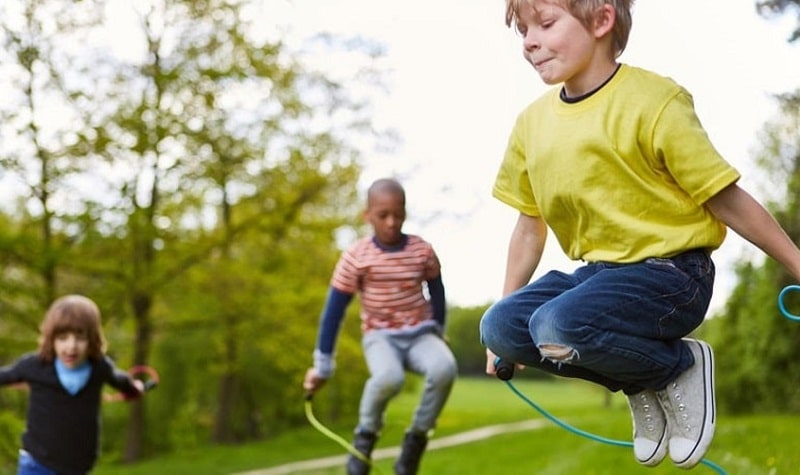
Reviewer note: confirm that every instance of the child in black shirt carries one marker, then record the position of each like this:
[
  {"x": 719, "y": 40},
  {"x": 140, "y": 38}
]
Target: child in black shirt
[{"x": 65, "y": 377}]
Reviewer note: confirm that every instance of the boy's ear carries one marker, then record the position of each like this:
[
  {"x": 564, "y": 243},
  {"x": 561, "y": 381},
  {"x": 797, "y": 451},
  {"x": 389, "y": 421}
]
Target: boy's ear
[{"x": 604, "y": 20}]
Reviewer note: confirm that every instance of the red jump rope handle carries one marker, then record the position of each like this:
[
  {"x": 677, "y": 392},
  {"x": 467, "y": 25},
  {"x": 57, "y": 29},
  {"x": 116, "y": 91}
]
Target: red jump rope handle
[
  {"x": 143, "y": 373},
  {"x": 152, "y": 376}
]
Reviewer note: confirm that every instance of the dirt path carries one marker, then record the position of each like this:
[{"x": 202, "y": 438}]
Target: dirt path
[{"x": 435, "y": 444}]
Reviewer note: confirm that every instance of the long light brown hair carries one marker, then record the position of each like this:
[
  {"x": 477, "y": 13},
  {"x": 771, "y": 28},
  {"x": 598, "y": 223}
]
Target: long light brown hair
[{"x": 72, "y": 314}]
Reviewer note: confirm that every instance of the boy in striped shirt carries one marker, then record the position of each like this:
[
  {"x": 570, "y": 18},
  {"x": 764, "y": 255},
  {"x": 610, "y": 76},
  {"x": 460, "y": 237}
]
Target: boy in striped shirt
[{"x": 402, "y": 328}]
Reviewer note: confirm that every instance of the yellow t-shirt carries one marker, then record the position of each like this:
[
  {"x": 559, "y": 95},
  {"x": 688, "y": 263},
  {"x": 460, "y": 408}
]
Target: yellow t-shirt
[{"x": 619, "y": 176}]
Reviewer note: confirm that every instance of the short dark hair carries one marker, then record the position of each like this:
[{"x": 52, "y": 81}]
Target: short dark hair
[{"x": 386, "y": 185}]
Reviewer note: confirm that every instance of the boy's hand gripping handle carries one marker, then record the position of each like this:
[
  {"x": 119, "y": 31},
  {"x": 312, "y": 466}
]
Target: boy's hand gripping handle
[{"x": 504, "y": 370}]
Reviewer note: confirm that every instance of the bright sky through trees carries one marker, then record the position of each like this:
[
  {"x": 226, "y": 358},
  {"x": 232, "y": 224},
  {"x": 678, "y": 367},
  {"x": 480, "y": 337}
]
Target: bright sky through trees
[{"x": 456, "y": 80}]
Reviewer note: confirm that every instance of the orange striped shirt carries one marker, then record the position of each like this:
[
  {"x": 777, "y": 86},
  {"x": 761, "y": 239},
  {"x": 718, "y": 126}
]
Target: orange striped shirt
[{"x": 389, "y": 281}]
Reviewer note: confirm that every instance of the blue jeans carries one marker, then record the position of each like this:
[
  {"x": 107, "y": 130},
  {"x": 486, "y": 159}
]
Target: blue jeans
[
  {"x": 30, "y": 466},
  {"x": 389, "y": 354},
  {"x": 621, "y": 323}
]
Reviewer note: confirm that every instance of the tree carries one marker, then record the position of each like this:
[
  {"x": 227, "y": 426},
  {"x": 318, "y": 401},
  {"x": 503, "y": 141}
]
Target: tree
[
  {"x": 34, "y": 154},
  {"x": 220, "y": 136},
  {"x": 210, "y": 158}
]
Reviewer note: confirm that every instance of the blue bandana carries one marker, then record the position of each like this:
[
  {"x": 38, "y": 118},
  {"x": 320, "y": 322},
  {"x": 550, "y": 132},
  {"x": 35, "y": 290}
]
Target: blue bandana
[{"x": 73, "y": 379}]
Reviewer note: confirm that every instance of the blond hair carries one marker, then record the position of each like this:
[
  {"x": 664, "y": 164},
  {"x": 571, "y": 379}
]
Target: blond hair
[
  {"x": 72, "y": 314},
  {"x": 584, "y": 11}
]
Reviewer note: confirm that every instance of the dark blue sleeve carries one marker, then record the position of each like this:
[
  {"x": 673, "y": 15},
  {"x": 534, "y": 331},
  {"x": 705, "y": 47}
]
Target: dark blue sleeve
[
  {"x": 438, "y": 302},
  {"x": 116, "y": 377},
  {"x": 331, "y": 319},
  {"x": 14, "y": 373}
]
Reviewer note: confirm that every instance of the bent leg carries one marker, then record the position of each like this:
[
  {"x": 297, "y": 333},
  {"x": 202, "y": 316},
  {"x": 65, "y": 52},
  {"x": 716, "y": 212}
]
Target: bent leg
[
  {"x": 386, "y": 379},
  {"x": 624, "y": 322},
  {"x": 430, "y": 356},
  {"x": 504, "y": 328}
]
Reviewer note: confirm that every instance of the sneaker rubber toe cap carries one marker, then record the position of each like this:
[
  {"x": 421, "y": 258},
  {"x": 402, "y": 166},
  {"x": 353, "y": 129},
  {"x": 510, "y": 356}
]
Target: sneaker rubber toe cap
[{"x": 649, "y": 452}]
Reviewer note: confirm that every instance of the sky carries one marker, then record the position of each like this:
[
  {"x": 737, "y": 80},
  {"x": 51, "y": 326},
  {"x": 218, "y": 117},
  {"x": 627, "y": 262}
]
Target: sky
[{"x": 458, "y": 80}]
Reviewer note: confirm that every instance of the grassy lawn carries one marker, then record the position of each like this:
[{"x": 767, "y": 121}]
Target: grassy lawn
[{"x": 752, "y": 445}]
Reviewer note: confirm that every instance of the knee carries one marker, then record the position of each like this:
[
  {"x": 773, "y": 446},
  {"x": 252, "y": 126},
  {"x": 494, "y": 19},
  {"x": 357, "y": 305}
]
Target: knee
[
  {"x": 388, "y": 383},
  {"x": 443, "y": 373},
  {"x": 489, "y": 330},
  {"x": 558, "y": 353},
  {"x": 555, "y": 336}
]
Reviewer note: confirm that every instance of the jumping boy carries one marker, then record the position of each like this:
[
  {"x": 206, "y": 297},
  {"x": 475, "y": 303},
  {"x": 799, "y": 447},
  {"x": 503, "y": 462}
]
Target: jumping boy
[
  {"x": 615, "y": 162},
  {"x": 402, "y": 329}
]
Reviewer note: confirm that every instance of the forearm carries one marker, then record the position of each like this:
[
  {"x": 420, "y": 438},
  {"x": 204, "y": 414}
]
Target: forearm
[
  {"x": 330, "y": 321},
  {"x": 120, "y": 380},
  {"x": 11, "y": 374},
  {"x": 8, "y": 377},
  {"x": 524, "y": 252},
  {"x": 437, "y": 300}
]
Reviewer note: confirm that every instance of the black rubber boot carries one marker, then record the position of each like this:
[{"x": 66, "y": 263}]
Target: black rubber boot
[
  {"x": 364, "y": 442},
  {"x": 414, "y": 445}
]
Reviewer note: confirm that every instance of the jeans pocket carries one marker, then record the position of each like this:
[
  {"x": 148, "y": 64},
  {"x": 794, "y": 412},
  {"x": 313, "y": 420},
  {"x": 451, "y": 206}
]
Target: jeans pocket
[
  {"x": 687, "y": 295},
  {"x": 660, "y": 261}
]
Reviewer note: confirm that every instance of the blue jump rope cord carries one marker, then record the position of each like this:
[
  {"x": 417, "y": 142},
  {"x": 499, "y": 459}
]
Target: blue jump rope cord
[
  {"x": 786, "y": 313},
  {"x": 619, "y": 443},
  {"x": 588, "y": 435}
]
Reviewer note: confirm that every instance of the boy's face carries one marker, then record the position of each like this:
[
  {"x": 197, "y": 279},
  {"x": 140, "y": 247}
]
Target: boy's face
[
  {"x": 558, "y": 45},
  {"x": 72, "y": 348},
  {"x": 386, "y": 213}
]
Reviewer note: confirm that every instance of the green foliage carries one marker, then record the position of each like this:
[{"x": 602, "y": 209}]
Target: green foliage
[
  {"x": 11, "y": 428},
  {"x": 463, "y": 336}
]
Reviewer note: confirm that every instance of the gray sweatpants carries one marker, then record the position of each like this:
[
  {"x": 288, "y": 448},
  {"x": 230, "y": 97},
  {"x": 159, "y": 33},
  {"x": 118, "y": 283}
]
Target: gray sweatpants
[{"x": 388, "y": 355}]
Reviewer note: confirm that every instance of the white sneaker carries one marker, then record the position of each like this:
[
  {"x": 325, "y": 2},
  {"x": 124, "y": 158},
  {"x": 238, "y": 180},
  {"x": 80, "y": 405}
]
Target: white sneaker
[
  {"x": 689, "y": 405},
  {"x": 649, "y": 428}
]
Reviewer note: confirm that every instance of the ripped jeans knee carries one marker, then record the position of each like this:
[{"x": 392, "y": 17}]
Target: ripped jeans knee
[{"x": 558, "y": 353}]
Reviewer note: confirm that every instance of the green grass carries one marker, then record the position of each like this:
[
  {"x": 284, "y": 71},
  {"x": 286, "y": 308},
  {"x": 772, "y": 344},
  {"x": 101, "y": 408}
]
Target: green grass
[{"x": 753, "y": 445}]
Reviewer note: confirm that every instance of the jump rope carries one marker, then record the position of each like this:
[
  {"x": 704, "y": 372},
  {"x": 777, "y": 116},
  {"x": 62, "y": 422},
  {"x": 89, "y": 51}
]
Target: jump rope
[
  {"x": 146, "y": 374},
  {"x": 333, "y": 435},
  {"x": 505, "y": 372}
]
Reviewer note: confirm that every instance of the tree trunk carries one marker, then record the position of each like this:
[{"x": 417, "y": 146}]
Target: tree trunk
[
  {"x": 223, "y": 432},
  {"x": 134, "y": 443},
  {"x": 222, "y": 421}
]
